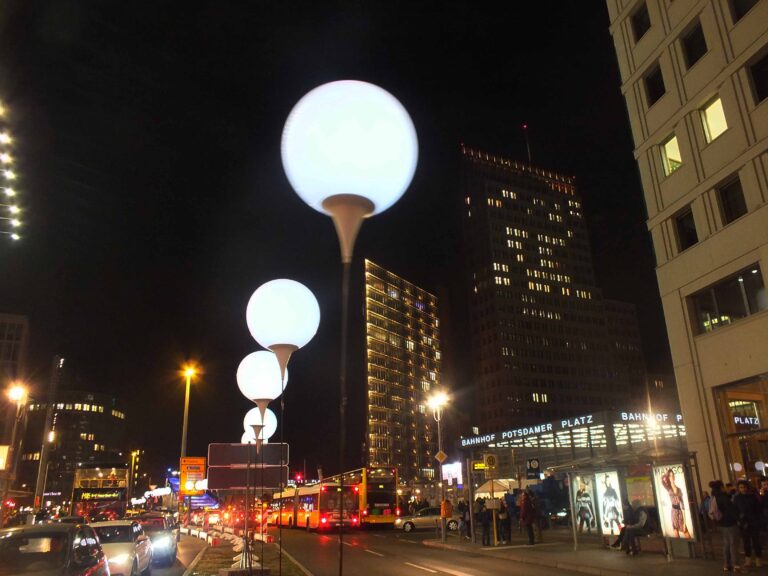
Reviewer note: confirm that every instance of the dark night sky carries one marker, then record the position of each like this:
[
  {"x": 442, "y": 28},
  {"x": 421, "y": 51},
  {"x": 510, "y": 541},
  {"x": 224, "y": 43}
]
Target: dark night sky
[{"x": 148, "y": 142}]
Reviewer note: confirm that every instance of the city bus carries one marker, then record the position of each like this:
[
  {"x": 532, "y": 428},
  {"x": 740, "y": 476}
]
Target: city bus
[
  {"x": 377, "y": 491},
  {"x": 315, "y": 507}
]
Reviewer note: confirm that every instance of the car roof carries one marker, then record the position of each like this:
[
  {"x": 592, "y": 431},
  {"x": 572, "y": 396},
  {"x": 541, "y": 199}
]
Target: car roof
[
  {"x": 40, "y": 528},
  {"x": 112, "y": 523}
]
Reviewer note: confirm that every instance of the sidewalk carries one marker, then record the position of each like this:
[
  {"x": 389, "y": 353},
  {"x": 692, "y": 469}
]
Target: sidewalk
[{"x": 591, "y": 558}]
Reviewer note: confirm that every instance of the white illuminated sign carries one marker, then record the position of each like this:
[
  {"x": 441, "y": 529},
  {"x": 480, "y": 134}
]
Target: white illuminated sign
[{"x": 452, "y": 471}]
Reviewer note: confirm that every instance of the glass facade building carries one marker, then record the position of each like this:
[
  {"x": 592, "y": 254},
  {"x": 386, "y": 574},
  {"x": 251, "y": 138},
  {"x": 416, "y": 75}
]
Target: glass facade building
[
  {"x": 543, "y": 339},
  {"x": 403, "y": 367}
]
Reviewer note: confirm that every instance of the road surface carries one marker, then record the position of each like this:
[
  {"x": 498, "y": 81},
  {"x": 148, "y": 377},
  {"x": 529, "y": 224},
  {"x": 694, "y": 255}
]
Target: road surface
[
  {"x": 384, "y": 553},
  {"x": 189, "y": 547}
]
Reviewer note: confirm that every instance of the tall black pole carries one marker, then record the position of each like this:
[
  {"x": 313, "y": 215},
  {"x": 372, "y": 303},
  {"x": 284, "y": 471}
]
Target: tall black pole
[{"x": 343, "y": 401}]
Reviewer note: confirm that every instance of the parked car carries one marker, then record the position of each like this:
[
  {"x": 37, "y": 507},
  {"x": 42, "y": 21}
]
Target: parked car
[
  {"x": 128, "y": 549},
  {"x": 425, "y": 518},
  {"x": 52, "y": 549},
  {"x": 164, "y": 534}
]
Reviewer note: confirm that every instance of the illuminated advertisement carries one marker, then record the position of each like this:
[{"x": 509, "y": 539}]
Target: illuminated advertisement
[
  {"x": 609, "y": 503},
  {"x": 452, "y": 472},
  {"x": 583, "y": 494},
  {"x": 674, "y": 512},
  {"x": 98, "y": 494}
]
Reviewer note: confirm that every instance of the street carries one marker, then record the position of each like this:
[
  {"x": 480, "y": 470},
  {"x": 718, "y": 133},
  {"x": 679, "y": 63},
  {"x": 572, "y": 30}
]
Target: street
[
  {"x": 189, "y": 547},
  {"x": 380, "y": 553}
]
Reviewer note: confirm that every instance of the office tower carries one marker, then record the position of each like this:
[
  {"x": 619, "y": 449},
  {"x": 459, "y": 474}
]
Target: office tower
[
  {"x": 695, "y": 79},
  {"x": 403, "y": 369},
  {"x": 544, "y": 342},
  {"x": 14, "y": 335}
]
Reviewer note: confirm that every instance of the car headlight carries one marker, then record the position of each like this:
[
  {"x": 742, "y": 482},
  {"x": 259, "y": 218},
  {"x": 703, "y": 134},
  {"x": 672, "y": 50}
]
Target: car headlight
[
  {"x": 119, "y": 559},
  {"x": 399, "y": 521},
  {"x": 161, "y": 542}
]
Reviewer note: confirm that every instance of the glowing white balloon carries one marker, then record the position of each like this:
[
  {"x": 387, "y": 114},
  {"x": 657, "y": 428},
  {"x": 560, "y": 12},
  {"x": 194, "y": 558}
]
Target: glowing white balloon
[
  {"x": 253, "y": 416},
  {"x": 247, "y": 438},
  {"x": 258, "y": 376},
  {"x": 349, "y": 138},
  {"x": 282, "y": 313}
]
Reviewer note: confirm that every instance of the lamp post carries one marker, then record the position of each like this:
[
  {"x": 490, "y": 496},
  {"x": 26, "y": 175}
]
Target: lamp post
[
  {"x": 189, "y": 371},
  {"x": 436, "y": 403},
  {"x": 16, "y": 393},
  {"x": 349, "y": 150}
]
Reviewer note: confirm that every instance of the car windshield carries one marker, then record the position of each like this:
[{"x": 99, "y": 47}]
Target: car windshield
[
  {"x": 30, "y": 553},
  {"x": 110, "y": 534},
  {"x": 152, "y": 524}
]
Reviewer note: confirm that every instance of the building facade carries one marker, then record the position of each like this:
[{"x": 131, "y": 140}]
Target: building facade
[
  {"x": 88, "y": 431},
  {"x": 544, "y": 342},
  {"x": 403, "y": 368},
  {"x": 14, "y": 337},
  {"x": 695, "y": 79}
]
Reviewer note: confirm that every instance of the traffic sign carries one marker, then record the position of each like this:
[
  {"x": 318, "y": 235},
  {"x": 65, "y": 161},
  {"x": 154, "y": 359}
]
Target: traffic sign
[
  {"x": 490, "y": 462},
  {"x": 533, "y": 471},
  {"x": 238, "y": 454},
  {"x": 255, "y": 477},
  {"x": 441, "y": 456},
  {"x": 191, "y": 471}
]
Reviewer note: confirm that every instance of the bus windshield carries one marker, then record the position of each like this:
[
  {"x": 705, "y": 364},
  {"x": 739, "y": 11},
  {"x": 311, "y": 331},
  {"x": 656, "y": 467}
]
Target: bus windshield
[{"x": 331, "y": 499}]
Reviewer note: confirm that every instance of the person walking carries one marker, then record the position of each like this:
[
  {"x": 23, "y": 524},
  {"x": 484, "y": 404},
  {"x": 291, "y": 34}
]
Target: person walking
[
  {"x": 503, "y": 523},
  {"x": 750, "y": 515},
  {"x": 527, "y": 515},
  {"x": 724, "y": 513}
]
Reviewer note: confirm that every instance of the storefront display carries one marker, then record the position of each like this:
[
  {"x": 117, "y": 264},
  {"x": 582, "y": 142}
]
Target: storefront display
[
  {"x": 741, "y": 409},
  {"x": 674, "y": 508},
  {"x": 609, "y": 502},
  {"x": 583, "y": 494}
]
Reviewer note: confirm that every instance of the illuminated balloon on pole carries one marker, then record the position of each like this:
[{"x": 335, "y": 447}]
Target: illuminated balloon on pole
[
  {"x": 283, "y": 315},
  {"x": 253, "y": 418},
  {"x": 258, "y": 377}
]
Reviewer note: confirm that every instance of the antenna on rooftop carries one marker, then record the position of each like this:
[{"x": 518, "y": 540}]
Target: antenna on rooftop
[{"x": 527, "y": 143}]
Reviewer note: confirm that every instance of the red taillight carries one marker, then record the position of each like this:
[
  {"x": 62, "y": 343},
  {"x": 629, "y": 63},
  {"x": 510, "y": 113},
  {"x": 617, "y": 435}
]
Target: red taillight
[
  {"x": 354, "y": 520},
  {"x": 323, "y": 520},
  {"x": 365, "y": 512},
  {"x": 397, "y": 511},
  {"x": 357, "y": 488},
  {"x": 322, "y": 488}
]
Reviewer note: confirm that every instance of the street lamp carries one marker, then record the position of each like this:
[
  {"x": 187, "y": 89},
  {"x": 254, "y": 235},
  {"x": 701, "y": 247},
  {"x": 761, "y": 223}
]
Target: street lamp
[
  {"x": 437, "y": 402},
  {"x": 349, "y": 150},
  {"x": 189, "y": 371},
  {"x": 17, "y": 393}
]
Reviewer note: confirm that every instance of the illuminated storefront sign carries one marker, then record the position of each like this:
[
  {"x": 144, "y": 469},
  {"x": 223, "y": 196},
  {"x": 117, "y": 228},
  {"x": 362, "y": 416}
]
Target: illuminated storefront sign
[
  {"x": 97, "y": 494},
  {"x": 570, "y": 424}
]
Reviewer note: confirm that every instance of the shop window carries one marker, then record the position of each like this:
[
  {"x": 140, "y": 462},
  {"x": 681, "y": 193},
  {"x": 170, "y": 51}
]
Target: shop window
[
  {"x": 759, "y": 73},
  {"x": 732, "y": 203},
  {"x": 729, "y": 300},
  {"x": 670, "y": 155},
  {"x": 741, "y": 410},
  {"x": 739, "y": 8},
  {"x": 713, "y": 119},
  {"x": 640, "y": 21},
  {"x": 654, "y": 85},
  {"x": 694, "y": 45},
  {"x": 685, "y": 226}
]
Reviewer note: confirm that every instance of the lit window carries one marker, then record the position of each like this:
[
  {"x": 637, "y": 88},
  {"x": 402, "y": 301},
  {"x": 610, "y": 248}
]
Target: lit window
[
  {"x": 713, "y": 118},
  {"x": 670, "y": 155},
  {"x": 731, "y": 299},
  {"x": 78, "y": 406}
]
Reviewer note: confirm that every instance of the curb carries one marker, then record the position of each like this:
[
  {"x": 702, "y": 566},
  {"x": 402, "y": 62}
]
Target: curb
[
  {"x": 539, "y": 561},
  {"x": 195, "y": 562}
]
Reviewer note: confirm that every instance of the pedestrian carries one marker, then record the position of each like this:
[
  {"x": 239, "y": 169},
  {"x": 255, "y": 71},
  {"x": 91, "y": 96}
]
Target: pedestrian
[
  {"x": 537, "y": 513},
  {"x": 486, "y": 517},
  {"x": 641, "y": 526},
  {"x": 725, "y": 515},
  {"x": 468, "y": 521},
  {"x": 764, "y": 501},
  {"x": 503, "y": 522},
  {"x": 527, "y": 515},
  {"x": 750, "y": 515},
  {"x": 703, "y": 511}
]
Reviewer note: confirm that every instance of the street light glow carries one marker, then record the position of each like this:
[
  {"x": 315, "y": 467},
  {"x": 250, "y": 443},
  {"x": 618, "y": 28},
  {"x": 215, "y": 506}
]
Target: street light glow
[
  {"x": 437, "y": 400},
  {"x": 9, "y": 174},
  {"x": 10, "y": 192},
  {"x": 189, "y": 371},
  {"x": 17, "y": 393},
  {"x": 5, "y": 158},
  {"x": 5, "y": 138}
]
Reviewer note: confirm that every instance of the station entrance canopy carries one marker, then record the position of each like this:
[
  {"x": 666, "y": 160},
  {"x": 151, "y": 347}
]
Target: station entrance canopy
[{"x": 584, "y": 436}]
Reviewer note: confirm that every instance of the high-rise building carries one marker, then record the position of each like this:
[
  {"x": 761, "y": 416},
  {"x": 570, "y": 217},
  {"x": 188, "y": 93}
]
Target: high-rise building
[
  {"x": 88, "y": 430},
  {"x": 695, "y": 78},
  {"x": 14, "y": 335},
  {"x": 403, "y": 360},
  {"x": 545, "y": 344}
]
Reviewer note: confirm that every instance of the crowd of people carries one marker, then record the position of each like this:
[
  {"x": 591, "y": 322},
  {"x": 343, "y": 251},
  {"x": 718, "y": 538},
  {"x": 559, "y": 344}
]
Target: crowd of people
[
  {"x": 520, "y": 511},
  {"x": 739, "y": 513}
]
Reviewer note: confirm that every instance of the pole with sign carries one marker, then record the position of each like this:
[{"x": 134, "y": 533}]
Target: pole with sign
[{"x": 191, "y": 472}]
